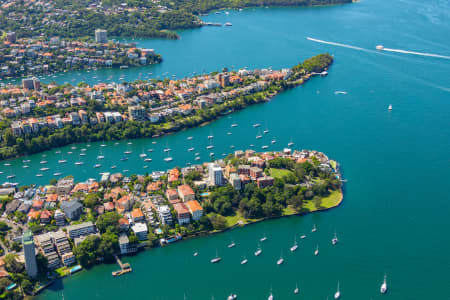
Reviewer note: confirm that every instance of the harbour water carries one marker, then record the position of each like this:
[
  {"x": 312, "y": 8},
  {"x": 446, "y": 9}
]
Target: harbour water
[{"x": 394, "y": 218}]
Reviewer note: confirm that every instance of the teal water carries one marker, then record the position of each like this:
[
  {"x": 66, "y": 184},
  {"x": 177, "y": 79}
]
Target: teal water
[{"x": 394, "y": 218}]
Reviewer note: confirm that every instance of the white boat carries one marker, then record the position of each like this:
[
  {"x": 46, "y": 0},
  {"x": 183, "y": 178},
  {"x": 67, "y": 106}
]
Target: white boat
[
  {"x": 26, "y": 161},
  {"x": 317, "y": 251},
  {"x": 44, "y": 169},
  {"x": 232, "y": 297},
  {"x": 167, "y": 159},
  {"x": 256, "y": 125},
  {"x": 97, "y": 165},
  {"x": 303, "y": 237},
  {"x": 84, "y": 149},
  {"x": 190, "y": 138},
  {"x": 383, "y": 288},
  {"x": 43, "y": 161},
  {"x": 264, "y": 147},
  {"x": 232, "y": 244},
  {"x": 25, "y": 166},
  {"x": 266, "y": 131},
  {"x": 233, "y": 125},
  {"x": 232, "y": 146},
  {"x": 258, "y": 136},
  {"x": 296, "y": 289},
  {"x": 57, "y": 174},
  {"x": 148, "y": 159},
  {"x": 229, "y": 133},
  {"x": 197, "y": 154},
  {"x": 209, "y": 147},
  {"x": 102, "y": 145},
  {"x": 113, "y": 167},
  {"x": 62, "y": 161},
  {"x": 124, "y": 158},
  {"x": 216, "y": 259},
  {"x": 39, "y": 175},
  {"x": 83, "y": 154},
  {"x": 379, "y": 47},
  {"x": 264, "y": 238},
  {"x": 211, "y": 154},
  {"x": 244, "y": 261},
  {"x": 197, "y": 158},
  {"x": 130, "y": 143},
  {"x": 258, "y": 251},
  {"x": 228, "y": 24},
  {"x": 195, "y": 253},
  {"x": 273, "y": 141},
  {"x": 270, "y": 296},
  {"x": 290, "y": 143},
  {"x": 210, "y": 136},
  {"x": 314, "y": 229},
  {"x": 295, "y": 246},
  {"x": 100, "y": 157},
  {"x": 127, "y": 152},
  {"x": 334, "y": 240},
  {"x": 142, "y": 155},
  {"x": 153, "y": 143},
  {"x": 338, "y": 293},
  {"x": 281, "y": 260},
  {"x": 191, "y": 149},
  {"x": 390, "y": 107},
  {"x": 150, "y": 150},
  {"x": 78, "y": 163},
  {"x": 167, "y": 150},
  {"x": 10, "y": 176}
]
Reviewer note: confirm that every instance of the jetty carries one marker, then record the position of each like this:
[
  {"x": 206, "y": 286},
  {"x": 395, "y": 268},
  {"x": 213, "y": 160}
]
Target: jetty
[{"x": 124, "y": 267}]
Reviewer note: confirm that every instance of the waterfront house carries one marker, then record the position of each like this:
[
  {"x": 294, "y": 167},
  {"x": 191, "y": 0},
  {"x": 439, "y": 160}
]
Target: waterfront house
[
  {"x": 195, "y": 209},
  {"x": 186, "y": 193},
  {"x": 78, "y": 230},
  {"x": 183, "y": 214},
  {"x": 140, "y": 230}
]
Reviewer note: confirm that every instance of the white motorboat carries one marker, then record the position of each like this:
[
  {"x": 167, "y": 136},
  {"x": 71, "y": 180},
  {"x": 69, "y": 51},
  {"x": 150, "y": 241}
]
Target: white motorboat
[
  {"x": 168, "y": 159},
  {"x": 142, "y": 155},
  {"x": 258, "y": 136},
  {"x": 317, "y": 251},
  {"x": 264, "y": 147},
  {"x": 44, "y": 169},
  {"x": 97, "y": 165},
  {"x": 6, "y": 164},
  {"x": 303, "y": 237},
  {"x": 209, "y": 147},
  {"x": 273, "y": 141},
  {"x": 100, "y": 157},
  {"x": 62, "y": 161},
  {"x": 266, "y": 131},
  {"x": 39, "y": 175},
  {"x": 296, "y": 289},
  {"x": 78, "y": 163},
  {"x": 195, "y": 253},
  {"x": 43, "y": 161},
  {"x": 190, "y": 138},
  {"x": 26, "y": 161},
  {"x": 57, "y": 174},
  {"x": 10, "y": 176},
  {"x": 148, "y": 159},
  {"x": 280, "y": 261},
  {"x": 232, "y": 297},
  {"x": 191, "y": 149},
  {"x": 124, "y": 159},
  {"x": 150, "y": 150},
  {"x": 256, "y": 125},
  {"x": 338, "y": 293},
  {"x": 390, "y": 107},
  {"x": 258, "y": 251},
  {"x": 234, "y": 125},
  {"x": 232, "y": 244},
  {"x": 113, "y": 167},
  {"x": 210, "y": 136},
  {"x": 229, "y": 133},
  {"x": 244, "y": 261},
  {"x": 127, "y": 152},
  {"x": 383, "y": 288},
  {"x": 314, "y": 229},
  {"x": 82, "y": 154},
  {"x": 24, "y": 166}
]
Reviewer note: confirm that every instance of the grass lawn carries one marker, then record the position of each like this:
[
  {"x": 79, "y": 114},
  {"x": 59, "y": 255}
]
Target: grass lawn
[
  {"x": 62, "y": 271},
  {"x": 332, "y": 200},
  {"x": 279, "y": 173},
  {"x": 232, "y": 220}
]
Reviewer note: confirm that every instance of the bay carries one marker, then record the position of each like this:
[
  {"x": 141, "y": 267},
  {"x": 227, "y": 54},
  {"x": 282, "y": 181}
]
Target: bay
[{"x": 394, "y": 217}]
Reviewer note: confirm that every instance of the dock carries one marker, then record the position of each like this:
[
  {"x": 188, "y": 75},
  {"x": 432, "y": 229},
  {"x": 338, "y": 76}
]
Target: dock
[{"x": 124, "y": 267}]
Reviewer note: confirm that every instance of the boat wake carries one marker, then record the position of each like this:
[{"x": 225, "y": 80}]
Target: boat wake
[
  {"x": 336, "y": 44},
  {"x": 417, "y": 53}
]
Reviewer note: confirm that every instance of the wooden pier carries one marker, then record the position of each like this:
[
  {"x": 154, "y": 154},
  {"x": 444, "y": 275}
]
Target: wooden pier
[{"x": 124, "y": 267}]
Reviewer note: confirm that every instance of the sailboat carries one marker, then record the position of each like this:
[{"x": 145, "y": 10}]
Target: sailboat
[
  {"x": 290, "y": 143},
  {"x": 314, "y": 229},
  {"x": 232, "y": 244},
  {"x": 143, "y": 154},
  {"x": 232, "y": 297},
  {"x": 210, "y": 146},
  {"x": 195, "y": 253},
  {"x": 281, "y": 260},
  {"x": 244, "y": 261},
  {"x": 390, "y": 107},
  {"x": 303, "y": 237},
  {"x": 335, "y": 240},
  {"x": 338, "y": 293},
  {"x": 258, "y": 250},
  {"x": 296, "y": 289},
  {"x": 271, "y": 295},
  {"x": 259, "y": 135},
  {"x": 264, "y": 238},
  {"x": 216, "y": 259},
  {"x": 317, "y": 251},
  {"x": 383, "y": 288},
  {"x": 168, "y": 158},
  {"x": 295, "y": 246}
]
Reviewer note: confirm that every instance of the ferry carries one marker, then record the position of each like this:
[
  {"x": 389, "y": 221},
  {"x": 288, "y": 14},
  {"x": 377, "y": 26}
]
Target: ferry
[{"x": 383, "y": 288}]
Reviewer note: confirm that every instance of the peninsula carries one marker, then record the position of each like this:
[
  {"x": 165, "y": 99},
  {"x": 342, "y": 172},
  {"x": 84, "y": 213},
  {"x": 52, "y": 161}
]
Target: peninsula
[
  {"x": 86, "y": 223},
  {"x": 38, "y": 117}
]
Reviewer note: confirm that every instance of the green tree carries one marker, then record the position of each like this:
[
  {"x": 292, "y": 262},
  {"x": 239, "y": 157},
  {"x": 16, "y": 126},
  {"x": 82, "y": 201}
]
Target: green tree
[
  {"x": 218, "y": 222},
  {"x": 27, "y": 286},
  {"x": 12, "y": 264},
  {"x": 153, "y": 240},
  {"x": 108, "y": 222},
  {"x": 317, "y": 201}
]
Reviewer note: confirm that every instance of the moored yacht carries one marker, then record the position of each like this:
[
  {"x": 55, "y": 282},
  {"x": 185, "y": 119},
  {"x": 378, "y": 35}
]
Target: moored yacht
[
  {"x": 10, "y": 176},
  {"x": 197, "y": 158},
  {"x": 233, "y": 125},
  {"x": 44, "y": 169},
  {"x": 43, "y": 161},
  {"x": 317, "y": 251},
  {"x": 124, "y": 158},
  {"x": 303, "y": 237},
  {"x": 216, "y": 259},
  {"x": 383, "y": 288},
  {"x": 334, "y": 240},
  {"x": 256, "y": 125},
  {"x": 78, "y": 163},
  {"x": 281, "y": 260},
  {"x": 232, "y": 244},
  {"x": 264, "y": 147},
  {"x": 191, "y": 149},
  {"x": 244, "y": 261},
  {"x": 338, "y": 293},
  {"x": 97, "y": 165},
  {"x": 295, "y": 246},
  {"x": 314, "y": 229},
  {"x": 264, "y": 238},
  {"x": 390, "y": 107},
  {"x": 296, "y": 289},
  {"x": 190, "y": 138},
  {"x": 62, "y": 161},
  {"x": 232, "y": 297},
  {"x": 258, "y": 251},
  {"x": 195, "y": 253},
  {"x": 142, "y": 155},
  {"x": 6, "y": 164},
  {"x": 57, "y": 174},
  {"x": 148, "y": 159}
]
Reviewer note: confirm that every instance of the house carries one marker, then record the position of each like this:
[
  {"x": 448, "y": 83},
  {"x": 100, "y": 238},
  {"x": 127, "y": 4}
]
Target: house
[
  {"x": 137, "y": 215},
  {"x": 256, "y": 172},
  {"x": 124, "y": 224},
  {"x": 46, "y": 216},
  {"x": 109, "y": 206},
  {"x": 195, "y": 209},
  {"x": 171, "y": 194},
  {"x": 80, "y": 229},
  {"x": 183, "y": 214},
  {"x": 72, "y": 209},
  {"x": 165, "y": 215},
  {"x": 262, "y": 182},
  {"x": 186, "y": 193},
  {"x": 59, "y": 218},
  {"x": 124, "y": 244},
  {"x": 140, "y": 230}
]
